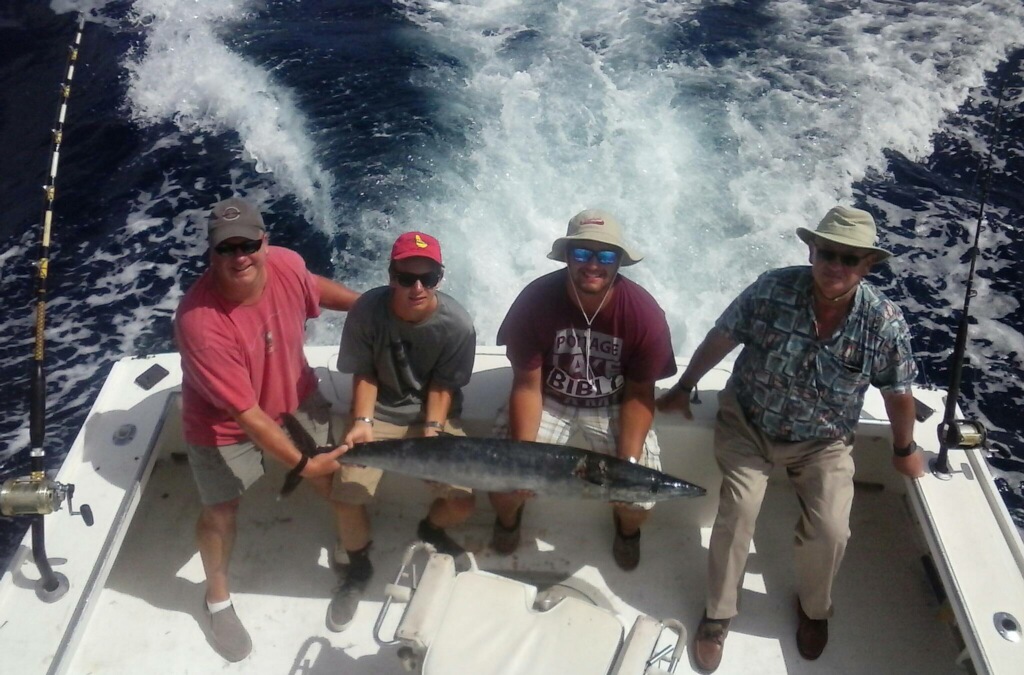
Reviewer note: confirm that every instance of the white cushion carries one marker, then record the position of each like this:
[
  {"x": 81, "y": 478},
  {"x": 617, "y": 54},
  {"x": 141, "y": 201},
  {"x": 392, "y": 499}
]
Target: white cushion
[
  {"x": 424, "y": 614},
  {"x": 490, "y": 628}
]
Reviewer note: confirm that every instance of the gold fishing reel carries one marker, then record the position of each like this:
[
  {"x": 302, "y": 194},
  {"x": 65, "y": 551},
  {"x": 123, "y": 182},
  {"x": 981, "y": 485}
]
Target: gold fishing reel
[
  {"x": 963, "y": 433},
  {"x": 37, "y": 495}
]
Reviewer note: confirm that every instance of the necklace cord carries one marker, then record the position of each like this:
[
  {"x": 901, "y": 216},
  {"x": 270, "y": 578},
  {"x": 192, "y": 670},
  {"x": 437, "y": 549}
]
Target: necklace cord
[{"x": 590, "y": 320}]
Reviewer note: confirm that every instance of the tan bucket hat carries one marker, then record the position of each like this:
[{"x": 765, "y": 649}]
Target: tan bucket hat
[
  {"x": 846, "y": 226},
  {"x": 594, "y": 225}
]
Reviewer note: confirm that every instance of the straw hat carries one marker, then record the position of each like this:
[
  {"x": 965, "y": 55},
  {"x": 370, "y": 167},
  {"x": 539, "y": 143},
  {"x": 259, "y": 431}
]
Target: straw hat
[{"x": 846, "y": 226}]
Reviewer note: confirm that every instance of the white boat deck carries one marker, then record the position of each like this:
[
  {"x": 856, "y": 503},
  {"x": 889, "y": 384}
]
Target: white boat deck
[
  {"x": 147, "y": 616},
  {"x": 282, "y": 584}
]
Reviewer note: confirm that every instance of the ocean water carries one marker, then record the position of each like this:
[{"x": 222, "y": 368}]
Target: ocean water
[{"x": 712, "y": 129}]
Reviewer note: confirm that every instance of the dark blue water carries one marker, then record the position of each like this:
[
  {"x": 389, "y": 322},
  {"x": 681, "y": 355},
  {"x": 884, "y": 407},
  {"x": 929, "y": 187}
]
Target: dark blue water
[{"x": 713, "y": 130}]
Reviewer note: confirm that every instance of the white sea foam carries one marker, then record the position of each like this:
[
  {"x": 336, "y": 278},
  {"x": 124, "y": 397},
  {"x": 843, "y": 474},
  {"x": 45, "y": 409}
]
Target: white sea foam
[
  {"x": 710, "y": 162},
  {"x": 187, "y": 75},
  {"x": 92, "y": 10},
  {"x": 711, "y": 165}
]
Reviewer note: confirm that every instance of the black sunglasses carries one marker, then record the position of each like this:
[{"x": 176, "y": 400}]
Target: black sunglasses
[
  {"x": 245, "y": 248},
  {"x": 408, "y": 279},
  {"x": 848, "y": 259}
]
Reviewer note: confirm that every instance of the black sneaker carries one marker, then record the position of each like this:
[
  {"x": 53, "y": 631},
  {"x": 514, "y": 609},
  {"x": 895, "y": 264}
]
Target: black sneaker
[
  {"x": 345, "y": 599},
  {"x": 344, "y": 602},
  {"x": 438, "y": 538}
]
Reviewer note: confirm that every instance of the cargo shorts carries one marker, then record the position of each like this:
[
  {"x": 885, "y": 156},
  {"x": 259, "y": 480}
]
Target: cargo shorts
[{"x": 225, "y": 472}]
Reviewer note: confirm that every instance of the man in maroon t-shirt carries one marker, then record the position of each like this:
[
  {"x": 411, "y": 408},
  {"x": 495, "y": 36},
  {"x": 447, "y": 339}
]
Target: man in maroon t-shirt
[
  {"x": 240, "y": 331},
  {"x": 586, "y": 346}
]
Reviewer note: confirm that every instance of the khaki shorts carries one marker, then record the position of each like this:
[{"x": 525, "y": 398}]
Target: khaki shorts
[
  {"x": 224, "y": 473},
  {"x": 357, "y": 485}
]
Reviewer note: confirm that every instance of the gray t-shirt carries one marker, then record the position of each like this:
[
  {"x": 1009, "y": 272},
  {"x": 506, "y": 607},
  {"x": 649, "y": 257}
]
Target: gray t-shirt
[{"x": 406, "y": 357}]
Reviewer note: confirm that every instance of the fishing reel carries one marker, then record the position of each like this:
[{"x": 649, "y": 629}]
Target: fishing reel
[
  {"x": 37, "y": 495},
  {"x": 962, "y": 434}
]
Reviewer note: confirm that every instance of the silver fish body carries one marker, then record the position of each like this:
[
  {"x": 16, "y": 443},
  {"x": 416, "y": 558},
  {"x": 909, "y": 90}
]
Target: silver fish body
[{"x": 498, "y": 465}]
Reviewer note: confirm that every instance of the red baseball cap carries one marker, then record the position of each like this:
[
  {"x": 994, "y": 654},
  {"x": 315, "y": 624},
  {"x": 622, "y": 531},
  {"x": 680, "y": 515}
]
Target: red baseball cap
[{"x": 416, "y": 245}]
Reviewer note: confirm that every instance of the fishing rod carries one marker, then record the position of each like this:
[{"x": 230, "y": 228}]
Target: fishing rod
[
  {"x": 35, "y": 495},
  {"x": 965, "y": 433}
]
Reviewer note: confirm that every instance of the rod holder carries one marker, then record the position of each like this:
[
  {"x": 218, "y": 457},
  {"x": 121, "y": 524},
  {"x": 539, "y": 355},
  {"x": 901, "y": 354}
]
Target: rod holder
[
  {"x": 36, "y": 496},
  {"x": 962, "y": 433}
]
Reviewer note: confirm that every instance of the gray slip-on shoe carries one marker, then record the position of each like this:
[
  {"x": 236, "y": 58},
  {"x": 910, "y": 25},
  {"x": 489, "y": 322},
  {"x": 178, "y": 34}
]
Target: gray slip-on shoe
[{"x": 227, "y": 633}]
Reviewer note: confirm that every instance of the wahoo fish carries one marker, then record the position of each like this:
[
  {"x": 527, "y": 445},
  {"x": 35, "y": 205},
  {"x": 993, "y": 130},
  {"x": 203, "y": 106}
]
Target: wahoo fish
[{"x": 500, "y": 465}]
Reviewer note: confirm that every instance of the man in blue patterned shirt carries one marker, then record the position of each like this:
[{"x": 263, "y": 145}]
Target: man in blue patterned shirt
[{"x": 814, "y": 338}]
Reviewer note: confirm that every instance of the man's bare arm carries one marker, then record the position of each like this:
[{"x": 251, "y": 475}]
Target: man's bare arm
[
  {"x": 716, "y": 345},
  {"x": 334, "y": 295},
  {"x": 269, "y": 437},
  {"x": 525, "y": 404}
]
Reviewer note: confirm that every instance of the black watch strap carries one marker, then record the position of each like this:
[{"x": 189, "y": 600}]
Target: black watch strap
[{"x": 905, "y": 452}]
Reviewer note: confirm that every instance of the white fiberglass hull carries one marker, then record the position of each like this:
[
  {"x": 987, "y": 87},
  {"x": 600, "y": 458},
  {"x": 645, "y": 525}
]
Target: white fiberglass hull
[{"x": 136, "y": 583}]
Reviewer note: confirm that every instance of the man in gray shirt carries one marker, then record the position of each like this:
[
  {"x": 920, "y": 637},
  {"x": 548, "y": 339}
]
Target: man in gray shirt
[{"x": 410, "y": 350}]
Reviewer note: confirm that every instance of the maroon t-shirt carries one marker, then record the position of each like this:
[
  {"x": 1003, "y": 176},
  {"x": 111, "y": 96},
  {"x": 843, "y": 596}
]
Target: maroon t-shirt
[{"x": 629, "y": 339}]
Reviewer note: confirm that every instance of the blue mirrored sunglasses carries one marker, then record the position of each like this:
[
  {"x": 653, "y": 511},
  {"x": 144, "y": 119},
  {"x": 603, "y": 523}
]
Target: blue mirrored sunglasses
[{"x": 585, "y": 255}]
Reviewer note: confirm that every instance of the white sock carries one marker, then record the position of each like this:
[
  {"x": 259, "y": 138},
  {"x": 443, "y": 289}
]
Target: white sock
[{"x": 215, "y": 607}]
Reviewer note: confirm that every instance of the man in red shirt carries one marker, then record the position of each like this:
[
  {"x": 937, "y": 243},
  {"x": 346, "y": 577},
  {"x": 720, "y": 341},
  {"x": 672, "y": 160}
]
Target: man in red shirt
[
  {"x": 240, "y": 330},
  {"x": 586, "y": 346}
]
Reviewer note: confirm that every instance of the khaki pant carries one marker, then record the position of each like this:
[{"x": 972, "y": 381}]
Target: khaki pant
[
  {"x": 357, "y": 485},
  {"x": 821, "y": 472}
]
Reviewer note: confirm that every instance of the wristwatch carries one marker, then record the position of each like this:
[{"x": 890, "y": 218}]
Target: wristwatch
[
  {"x": 434, "y": 424},
  {"x": 906, "y": 451},
  {"x": 368, "y": 420}
]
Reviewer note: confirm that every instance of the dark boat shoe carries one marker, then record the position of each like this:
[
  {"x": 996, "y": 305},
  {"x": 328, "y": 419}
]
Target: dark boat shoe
[
  {"x": 709, "y": 642},
  {"x": 505, "y": 540},
  {"x": 438, "y": 538},
  {"x": 626, "y": 549},
  {"x": 811, "y": 635}
]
